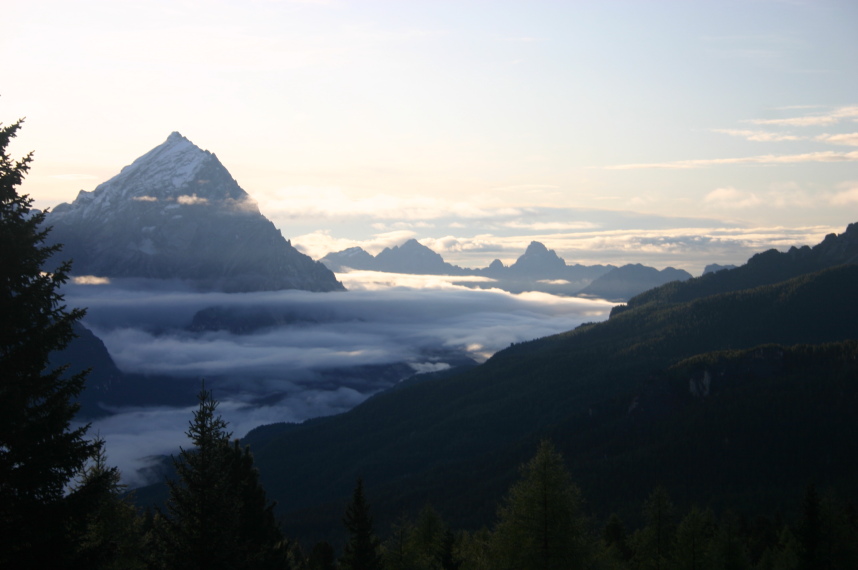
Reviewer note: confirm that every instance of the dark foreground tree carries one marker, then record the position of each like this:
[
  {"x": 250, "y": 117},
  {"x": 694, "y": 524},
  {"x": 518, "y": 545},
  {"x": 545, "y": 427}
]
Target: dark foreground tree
[
  {"x": 217, "y": 514},
  {"x": 322, "y": 557},
  {"x": 109, "y": 532},
  {"x": 541, "y": 525},
  {"x": 39, "y": 452},
  {"x": 362, "y": 550}
]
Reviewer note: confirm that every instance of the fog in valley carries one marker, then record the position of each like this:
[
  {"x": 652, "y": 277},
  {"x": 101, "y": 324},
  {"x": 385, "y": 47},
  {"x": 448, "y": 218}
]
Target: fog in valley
[{"x": 324, "y": 354}]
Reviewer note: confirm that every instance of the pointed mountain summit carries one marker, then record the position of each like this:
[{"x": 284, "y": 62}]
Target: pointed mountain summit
[
  {"x": 539, "y": 260},
  {"x": 177, "y": 213}
]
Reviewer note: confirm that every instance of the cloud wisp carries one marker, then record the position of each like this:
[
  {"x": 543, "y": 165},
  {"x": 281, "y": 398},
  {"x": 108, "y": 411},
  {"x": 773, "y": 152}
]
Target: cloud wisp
[
  {"x": 818, "y": 119},
  {"x": 766, "y": 159}
]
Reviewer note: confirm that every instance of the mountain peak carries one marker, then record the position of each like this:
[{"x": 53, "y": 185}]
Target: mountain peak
[
  {"x": 536, "y": 248},
  {"x": 175, "y": 172},
  {"x": 538, "y": 258},
  {"x": 177, "y": 213},
  {"x": 169, "y": 166},
  {"x": 176, "y": 136}
]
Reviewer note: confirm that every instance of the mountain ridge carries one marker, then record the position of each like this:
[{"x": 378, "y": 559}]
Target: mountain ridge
[{"x": 537, "y": 269}]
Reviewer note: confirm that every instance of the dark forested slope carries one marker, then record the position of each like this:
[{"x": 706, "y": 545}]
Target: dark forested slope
[{"x": 596, "y": 391}]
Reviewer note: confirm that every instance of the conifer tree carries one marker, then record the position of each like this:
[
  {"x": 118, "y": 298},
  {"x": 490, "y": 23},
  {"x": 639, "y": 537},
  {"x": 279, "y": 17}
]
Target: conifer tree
[
  {"x": 218, "y": 515},
  {"x": 810, "y": 529},
  {"x": 426, "y": 539},
  {"x": 728, "y": 548},
  {"x": 653, "y": 544},
  {"x": 39, "y": 451},
  {"x": 110, "y": 534},
  {"x": 322, "y": 557},
  {"x": 694, "y": 540},
  {"x": 396, "y": 550},
  {"x": 362, "y": 549},
  {"x": 615, "y": 540},
  {"x": 541, "y": 525},
  {"x": 448, "y": 558}
]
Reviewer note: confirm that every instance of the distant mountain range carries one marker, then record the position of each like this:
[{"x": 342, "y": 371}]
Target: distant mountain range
[
  {"x": 735, "y": 389},
  {"x": 177, "y": 213},
  {"x": 538, "y": 269}
]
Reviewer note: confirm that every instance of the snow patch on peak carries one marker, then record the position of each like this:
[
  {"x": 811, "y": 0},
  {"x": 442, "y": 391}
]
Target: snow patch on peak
[{"x": 170, "y": 165}]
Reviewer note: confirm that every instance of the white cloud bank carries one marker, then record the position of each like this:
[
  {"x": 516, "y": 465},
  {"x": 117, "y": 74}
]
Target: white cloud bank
[{"x": 335, "y": 350}]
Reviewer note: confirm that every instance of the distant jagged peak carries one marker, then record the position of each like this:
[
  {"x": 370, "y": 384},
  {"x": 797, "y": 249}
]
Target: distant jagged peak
[
  {"x": 536, "y": 248},
  {"x": 352, "y": 251},
  {"x": 409, "y": 247},
  {"x": 538, "y": 256},
  {"x": 410, "y": 244}
]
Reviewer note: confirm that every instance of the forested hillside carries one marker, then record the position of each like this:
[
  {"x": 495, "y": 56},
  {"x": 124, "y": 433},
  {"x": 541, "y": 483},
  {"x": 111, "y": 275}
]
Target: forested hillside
[{"x": 614, "y": 401}]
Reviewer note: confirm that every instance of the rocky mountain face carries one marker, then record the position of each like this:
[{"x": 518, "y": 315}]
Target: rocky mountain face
[
  {"x": 177, "y": 213},
  {"x": 87, "y": 352}
]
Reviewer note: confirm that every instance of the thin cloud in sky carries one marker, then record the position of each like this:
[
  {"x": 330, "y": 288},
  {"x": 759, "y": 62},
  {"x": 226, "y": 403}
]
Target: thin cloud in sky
[
  {"x": 848, "y": 139},
  {"x": 820, "y": 119},
  {"x": 829, "y": 118},
  {"x": 547, "y": 226},
  {"x": 758, "y": 136},
  {"x": 807, "y": 121},
  {"x": 766, "y": 159},
  {"x": 732, "y": 198}
]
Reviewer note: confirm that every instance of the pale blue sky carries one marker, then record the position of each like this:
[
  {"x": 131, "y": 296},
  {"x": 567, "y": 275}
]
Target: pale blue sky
[{"x": 473, "y": 126}]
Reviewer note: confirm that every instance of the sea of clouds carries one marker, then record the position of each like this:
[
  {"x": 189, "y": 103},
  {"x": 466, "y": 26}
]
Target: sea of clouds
[{"x": 333, "y": 351}]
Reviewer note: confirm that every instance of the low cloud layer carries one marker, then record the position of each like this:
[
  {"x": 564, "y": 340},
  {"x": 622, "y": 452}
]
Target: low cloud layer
[{"x": 333, "y": 351}]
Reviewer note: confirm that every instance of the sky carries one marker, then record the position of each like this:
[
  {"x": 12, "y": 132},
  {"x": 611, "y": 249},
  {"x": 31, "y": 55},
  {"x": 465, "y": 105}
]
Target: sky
[
  {"x": 665, "y": 132},
  {"x": 308, "y": 367}
]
